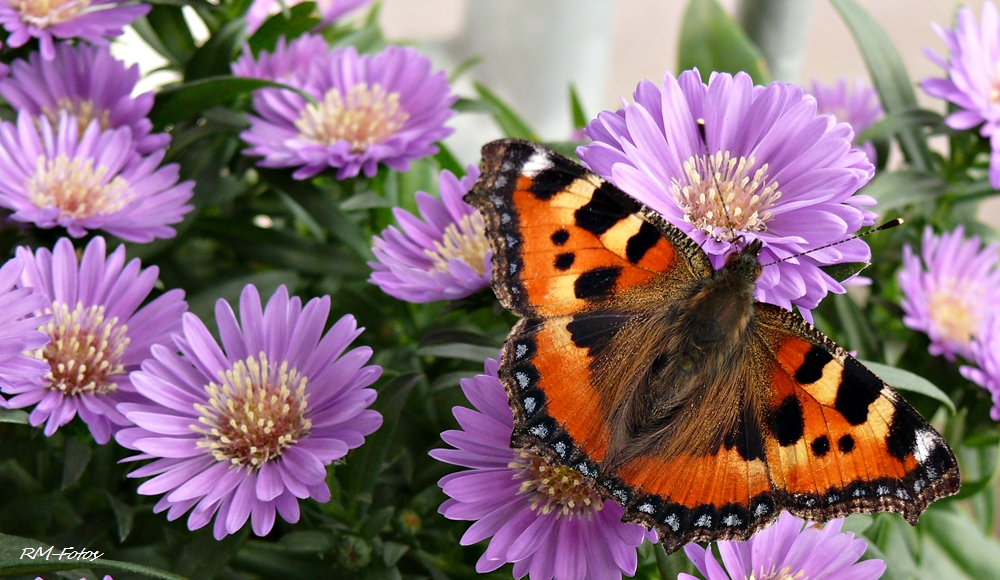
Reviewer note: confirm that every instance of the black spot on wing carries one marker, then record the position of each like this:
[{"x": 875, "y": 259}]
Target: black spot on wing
[
  {"x": 747, "y": 437},
  {"x": 812, "y": 367},
  {"x": 564, "y": 261},
  {"x": 858, "y": 389},
  {"x": 821, "y": 446},
  {"x": 594, "y": 330},
  {"x": 641, "y": 242},
  {"x": 902, "y": 435},
  {"x": 551, "y": 181},
  {"x": 787, "y": 422},
  {"x": 560, "y": 237},
  {"x": 596, "y": 284},
  {"x": 846, "y": 444},
  {"x": 607, "y": 207}
]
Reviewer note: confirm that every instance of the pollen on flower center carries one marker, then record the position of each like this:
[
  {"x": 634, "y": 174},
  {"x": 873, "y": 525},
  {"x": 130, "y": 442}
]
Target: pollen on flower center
[
  {"x": 254, "y": 412},
  {"x": 45, "y": 13},
  {"x": 720, "y": 196},
  {"x": 84, "y": 112},
  {"x": 84, "y": 350},
  {"x": 783, "y": 574},
  {"x": 952, "y": 314},
  {"x": 76, "y": 188},
  {"x": 366, "y": 116},
  {"x": 560, "y": 489},
  {"x": 465, "y": 240}
]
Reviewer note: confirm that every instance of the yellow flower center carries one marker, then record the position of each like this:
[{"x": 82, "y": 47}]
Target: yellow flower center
[
  {"x": 84, "y": 349},
  {"x": 953, "y": 311},
  {"x": 783, "y": 574},
  {"x": 718, "y": 195},
  {"x": 45, "y": 13},
  {"x": 560, "y": 489},
  {"x": 465, "y": 240},
  {"x": 255, "y": 411},
  {"x": 76, "y": 188},
  {"x": 364, "y": 117},
  {"x": 84, "y": 111}
]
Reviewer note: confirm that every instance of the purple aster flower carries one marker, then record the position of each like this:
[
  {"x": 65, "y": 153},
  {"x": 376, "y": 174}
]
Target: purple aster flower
[
  {"x": 289, "y": 64},
  {"x": 787, "y": 176},
  {"x": 948, "y": 289},
  {"x": 97, "y": 334},
  {"x": 383, "y": 108},
  {"x": 445, "y": 256},
  {"x": 973, "y": 83},
  {"x": 88, "y": 83},
  {"x": 19, "y": 322},
  {"x": 92, "y": 20},
  {"x": 52, "y": 175},
  {"x": 786, "y": 550},
  {"x": 243, "y": 430},
  {"x": 546, "y": 520},
  {"x": 330, "y": 10},
  {"x": 857, "y": 106},
  {"x": 985, "y": 352}
]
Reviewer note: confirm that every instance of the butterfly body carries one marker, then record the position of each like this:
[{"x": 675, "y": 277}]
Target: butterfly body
[{"x": 662, "y": 381}]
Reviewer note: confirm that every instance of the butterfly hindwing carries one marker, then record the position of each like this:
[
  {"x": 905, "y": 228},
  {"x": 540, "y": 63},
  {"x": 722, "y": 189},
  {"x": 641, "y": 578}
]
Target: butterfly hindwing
[{"x": 564, "y": 239}]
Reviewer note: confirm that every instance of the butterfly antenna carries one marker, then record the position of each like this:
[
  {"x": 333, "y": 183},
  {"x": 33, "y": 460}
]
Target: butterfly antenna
[{"x": 887, "y": 225}]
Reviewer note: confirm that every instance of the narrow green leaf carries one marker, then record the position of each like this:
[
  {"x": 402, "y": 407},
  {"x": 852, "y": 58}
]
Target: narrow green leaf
[
  {"x": 580, "y": 118},
  {"x": 469, "y": 352},
  {"x": 290, "y": 24},
  {"x": 364, "y": 464},
  {"x": 202, "y": 303},
  {"x": 213, "y": 58},
  {"x": 447, "y": 160},
  {"x": 565, "y": 148},
  {"x": 509, "y": 122},
  {"x": 187, "y": 100},
  {"x": 903, "y": 120},
  {"x": 903, "y": 380},
  {"x": 467, "y": 105},
  {"x": 376, "y": 522},
  {"x": 712, "y": 41},
  {"x": 124, "y": 516},
  {"x": 307, "y": 541},
  {"x": 982, "y": 439},
  {"x": 392, "y": 552},
  {"x": 860, "y": 334},
  {"x": 892, "y": 82},
  {"x": 146, "y": 32},
  {"x": 204, "y": 557},
  {"x": 843, "y": 271},
  {"x": 898, "y": 189},
  {"x": 76, "y": 457},
  {"x": 16, "y": 416},
  {"x": 448, "y": 336},
  {"x": 172, "y": 29},
  {"x": 964, "y": 543},
  {"x": 462, "y": 67}
]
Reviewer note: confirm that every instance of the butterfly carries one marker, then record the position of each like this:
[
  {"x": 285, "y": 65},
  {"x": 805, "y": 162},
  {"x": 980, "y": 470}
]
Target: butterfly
[{"x": 666, "y": 385}]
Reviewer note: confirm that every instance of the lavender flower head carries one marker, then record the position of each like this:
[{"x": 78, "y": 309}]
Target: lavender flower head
[
  {"x": 88, "y": 83},
  {"x": 97, "y": 334},
  {"x": 948, "y": 289},
  {"x": 787, "y": 550},
  {"x": 383, "y": 108},
  {"x": 92, "y": 20},
  {"x": 787, "y": 176},
  {"x": 19, "y": 321},
  {"x": 544, "y": 519},
  {"x": 973, "y": 70},
  {"x": 445, "y": 256},
  {"x": 330, "y": 10},
  {"x": 985, "y": 352},
  {"x": 52, "y": 175},
  {"x": 289, "y": 64},
  {"x": 245, "y": 429},
  {"x": 857, "y": 106}
]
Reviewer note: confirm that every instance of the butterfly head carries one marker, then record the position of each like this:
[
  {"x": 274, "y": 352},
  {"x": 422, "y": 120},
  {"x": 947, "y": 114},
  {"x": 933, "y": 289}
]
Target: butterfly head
[{"x": 744, "y": 262}]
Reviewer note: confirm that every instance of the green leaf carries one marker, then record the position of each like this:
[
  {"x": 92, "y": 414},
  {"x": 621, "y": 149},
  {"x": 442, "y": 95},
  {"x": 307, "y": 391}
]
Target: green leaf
[
  {"x": 447, "y": 160},
  {"x": 712, "y": 41},
  {"x": 898, "y": 189},
  {"x": 364, "y": 464},
  {"x": 509, "y": 122},
  {"x": 15, "y": 561},
  {"x": 974, "y": 553},
  {"x": 204, "y": 557},
  {"x": 290, "y": 24},
  {"x": 15, "y": 416},
  {"x": 845, "y": 270},
  {"x": 124, "y": 516},
  {"x": 451, "y": 335},
  {"x": 75, "y": 460},
  {"x": 376, "y": 522},
  {"x": 469, "y": 352},
  {"x": 172, "y": 29},
  {"x": 202, "y": 303},
  {"x": 903, "y": 380},
  {"x": 307, "y": 542},
  {"x": 860, "y": 334},
  {"x": 392, "y": 552},
  {"x": 579, "y": 117},
  {"x": 565, "y": 148},
  {"x": 462, "y": 67},
  {"x": 186, "y": 101},
  {"x": 467, "y": 105},
  {"x": 892, "y": 82},
  {"x": 903, "y": 120},
  {"x": 214, "y": 57}
]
